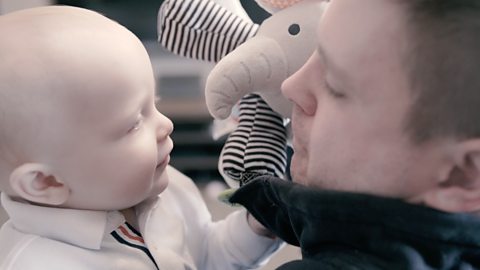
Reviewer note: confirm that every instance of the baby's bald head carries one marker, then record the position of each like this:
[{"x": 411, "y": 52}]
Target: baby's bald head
[{"x": 53, "y": 58}]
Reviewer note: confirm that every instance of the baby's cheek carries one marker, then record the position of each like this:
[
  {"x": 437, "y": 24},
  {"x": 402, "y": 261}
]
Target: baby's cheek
[{"x": 138, "y": 177}]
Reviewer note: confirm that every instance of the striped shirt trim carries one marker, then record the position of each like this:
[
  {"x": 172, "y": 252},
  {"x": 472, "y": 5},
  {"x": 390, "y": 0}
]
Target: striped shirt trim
[{"x": 125, "y": 234}]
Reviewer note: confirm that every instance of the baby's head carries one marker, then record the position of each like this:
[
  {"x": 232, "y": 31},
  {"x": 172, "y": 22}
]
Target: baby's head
[{"x": 79, "y": 127}]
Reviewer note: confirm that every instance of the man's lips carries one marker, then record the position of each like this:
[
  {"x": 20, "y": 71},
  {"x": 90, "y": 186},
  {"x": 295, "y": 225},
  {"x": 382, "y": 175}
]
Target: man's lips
[{"x": 297, "y": 146}]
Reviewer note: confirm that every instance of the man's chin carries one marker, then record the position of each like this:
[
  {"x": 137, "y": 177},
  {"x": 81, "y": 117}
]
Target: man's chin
[{"x": 298, "y": 171}]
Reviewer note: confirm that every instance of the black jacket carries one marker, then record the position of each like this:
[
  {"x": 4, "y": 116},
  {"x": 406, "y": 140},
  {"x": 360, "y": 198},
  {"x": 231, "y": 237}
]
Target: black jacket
[{"x": 338, "y": 230}]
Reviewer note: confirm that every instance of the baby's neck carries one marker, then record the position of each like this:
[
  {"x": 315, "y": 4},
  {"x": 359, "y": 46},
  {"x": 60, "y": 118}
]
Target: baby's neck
[{"x": 131, "y": 217}]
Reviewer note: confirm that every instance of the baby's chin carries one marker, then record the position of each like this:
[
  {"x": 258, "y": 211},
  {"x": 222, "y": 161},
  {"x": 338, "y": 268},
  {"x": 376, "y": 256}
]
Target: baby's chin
[{"x": 160, "y": 183}]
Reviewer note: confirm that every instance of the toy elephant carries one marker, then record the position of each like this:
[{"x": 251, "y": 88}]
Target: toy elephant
[
  {"x": 281, "y": 46},
  {"x": 252, "y": 63}
]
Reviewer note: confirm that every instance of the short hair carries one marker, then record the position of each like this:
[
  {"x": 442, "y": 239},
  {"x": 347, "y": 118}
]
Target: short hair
[{"x": 443, "y": 62}]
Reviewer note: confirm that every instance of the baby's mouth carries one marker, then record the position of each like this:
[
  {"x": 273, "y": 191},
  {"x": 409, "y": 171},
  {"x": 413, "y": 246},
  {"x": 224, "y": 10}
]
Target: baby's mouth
[{"x": 163, "y": 163}]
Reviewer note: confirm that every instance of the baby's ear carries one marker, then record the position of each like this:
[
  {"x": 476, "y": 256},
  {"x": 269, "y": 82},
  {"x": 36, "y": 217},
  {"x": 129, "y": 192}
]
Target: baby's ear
[{"x": 35, "y": 182}]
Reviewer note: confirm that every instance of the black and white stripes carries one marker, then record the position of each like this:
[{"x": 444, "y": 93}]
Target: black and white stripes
[
  {"x": 204, "y": 30},
  {"x": 201, "y": 29},
  {"x": 257, "y": 146}
]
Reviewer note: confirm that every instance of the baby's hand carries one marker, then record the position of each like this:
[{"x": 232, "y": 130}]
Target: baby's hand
[{"x": 258, "y": 228}]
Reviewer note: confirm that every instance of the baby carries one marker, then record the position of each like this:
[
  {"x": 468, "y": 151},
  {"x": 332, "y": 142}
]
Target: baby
[{"x": 84, "y": 157}]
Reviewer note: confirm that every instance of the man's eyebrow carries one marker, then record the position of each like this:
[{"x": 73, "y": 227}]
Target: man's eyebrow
[
  {"x": 330, "y": 65},
  {"x": 326, "y": 59}
]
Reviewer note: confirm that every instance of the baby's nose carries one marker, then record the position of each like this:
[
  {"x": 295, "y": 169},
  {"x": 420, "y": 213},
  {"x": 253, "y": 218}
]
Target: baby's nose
[{"x": 164, "y": 128}]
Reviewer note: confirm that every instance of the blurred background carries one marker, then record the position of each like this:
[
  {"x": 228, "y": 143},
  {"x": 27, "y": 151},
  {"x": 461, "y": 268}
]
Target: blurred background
[{"x": 180, "y": 84}]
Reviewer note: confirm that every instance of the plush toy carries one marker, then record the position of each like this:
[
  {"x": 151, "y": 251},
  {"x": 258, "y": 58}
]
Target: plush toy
[
  {"x": 281, "y": 46},
  {"x": 203, "y": 29},
  {"x": 252, "y": 63}
]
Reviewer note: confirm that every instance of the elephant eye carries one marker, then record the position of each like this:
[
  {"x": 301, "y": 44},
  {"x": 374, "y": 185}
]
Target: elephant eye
[{"x": 294, "y": 29}]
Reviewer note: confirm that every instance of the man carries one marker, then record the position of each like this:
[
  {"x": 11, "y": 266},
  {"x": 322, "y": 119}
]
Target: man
[{"x": 386, "y": 141}]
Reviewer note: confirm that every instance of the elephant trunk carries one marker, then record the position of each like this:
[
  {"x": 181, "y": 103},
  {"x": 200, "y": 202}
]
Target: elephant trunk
[{"x": 258, "y": 65}]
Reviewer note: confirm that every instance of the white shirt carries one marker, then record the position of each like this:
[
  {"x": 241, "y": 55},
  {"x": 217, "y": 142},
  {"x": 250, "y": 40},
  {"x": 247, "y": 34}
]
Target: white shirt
[{"x": 176, "y": 227}]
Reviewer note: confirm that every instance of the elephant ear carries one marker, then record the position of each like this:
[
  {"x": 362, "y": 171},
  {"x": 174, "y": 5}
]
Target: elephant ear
[{"x": 201, "y": 29}]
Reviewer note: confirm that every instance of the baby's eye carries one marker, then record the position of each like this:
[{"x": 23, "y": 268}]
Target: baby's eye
[{"x": 137, "y": 125}]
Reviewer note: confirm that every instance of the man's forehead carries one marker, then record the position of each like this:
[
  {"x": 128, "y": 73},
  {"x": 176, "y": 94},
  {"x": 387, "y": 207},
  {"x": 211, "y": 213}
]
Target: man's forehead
[
  {"x": 359, "y": 20},
  {"x": 362, "y": 44},
  {"x": 371, "y": 27}
]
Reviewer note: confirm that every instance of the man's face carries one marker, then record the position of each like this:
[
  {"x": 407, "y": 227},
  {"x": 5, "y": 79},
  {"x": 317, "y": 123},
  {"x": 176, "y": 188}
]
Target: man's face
[{"x": 351, "y": 100}]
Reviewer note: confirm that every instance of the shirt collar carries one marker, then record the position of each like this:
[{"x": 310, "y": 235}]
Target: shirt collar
[{"x": 84, "y": 228}]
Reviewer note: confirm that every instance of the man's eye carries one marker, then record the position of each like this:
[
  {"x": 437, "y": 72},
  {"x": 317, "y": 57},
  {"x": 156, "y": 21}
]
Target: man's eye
[
  {"x": 334, "y": 93},
  {"x": 137, "y": 125}
]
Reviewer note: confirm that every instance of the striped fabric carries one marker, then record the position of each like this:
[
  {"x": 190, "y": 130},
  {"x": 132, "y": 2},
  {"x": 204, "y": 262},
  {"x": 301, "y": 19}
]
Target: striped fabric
[
  {"x": 204, "y": 30},
  {"x": 201, "y": 29},
  {"x": 257, "y": 146},
  {"x": 127, "y": 235}
]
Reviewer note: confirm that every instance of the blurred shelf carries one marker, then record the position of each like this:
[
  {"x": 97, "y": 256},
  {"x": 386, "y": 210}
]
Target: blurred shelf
[
  {"x": 192, "y": 110},
  {"x": 193, "y": 163}
]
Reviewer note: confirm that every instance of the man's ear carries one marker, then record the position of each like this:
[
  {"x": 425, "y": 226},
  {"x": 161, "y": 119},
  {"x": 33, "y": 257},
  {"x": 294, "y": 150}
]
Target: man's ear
[
  {"x": 459, "y": 191},
  {"x": 35, "y": 182}
]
